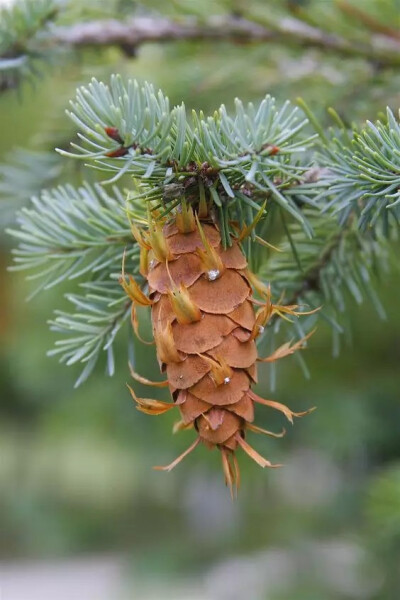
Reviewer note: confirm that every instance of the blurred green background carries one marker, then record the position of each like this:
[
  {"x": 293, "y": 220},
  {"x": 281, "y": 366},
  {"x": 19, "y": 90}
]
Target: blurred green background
[{"x": 75, "y": 465}]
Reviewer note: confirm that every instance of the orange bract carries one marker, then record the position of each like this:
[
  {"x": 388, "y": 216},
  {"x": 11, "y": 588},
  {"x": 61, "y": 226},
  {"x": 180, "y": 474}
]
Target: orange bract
[{"x": 204, "y": 325}]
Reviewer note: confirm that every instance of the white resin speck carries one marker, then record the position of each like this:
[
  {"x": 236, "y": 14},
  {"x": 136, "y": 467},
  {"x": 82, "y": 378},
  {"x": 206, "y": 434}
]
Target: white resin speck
[
  {"x": 227, "y": 380},
  {"x": 213, "y": 274}
]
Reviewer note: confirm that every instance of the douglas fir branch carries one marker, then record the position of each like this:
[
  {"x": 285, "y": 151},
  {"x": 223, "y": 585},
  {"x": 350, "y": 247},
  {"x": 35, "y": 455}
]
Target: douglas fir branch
[{"x": 192, "y": 229}]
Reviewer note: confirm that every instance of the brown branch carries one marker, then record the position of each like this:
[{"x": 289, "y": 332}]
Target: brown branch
[
  {"x": 140, "y": 30},
  {"x": 369, "y": 21}
]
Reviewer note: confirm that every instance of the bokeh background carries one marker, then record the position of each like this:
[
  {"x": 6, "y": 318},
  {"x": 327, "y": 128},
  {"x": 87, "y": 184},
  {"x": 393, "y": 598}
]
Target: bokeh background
[{"x": 82, "y": 514}]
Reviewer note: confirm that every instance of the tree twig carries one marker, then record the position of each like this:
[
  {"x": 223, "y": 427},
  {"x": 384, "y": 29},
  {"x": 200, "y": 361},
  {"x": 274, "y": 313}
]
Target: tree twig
[
  {"x": 369, "y": 21},
  {"x": 140, "y": 30}
]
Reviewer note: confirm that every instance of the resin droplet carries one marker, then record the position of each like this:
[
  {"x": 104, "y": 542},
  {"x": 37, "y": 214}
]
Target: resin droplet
[
  {"x": 213, "y": 274},
  {"x": 227, "y": 380}
]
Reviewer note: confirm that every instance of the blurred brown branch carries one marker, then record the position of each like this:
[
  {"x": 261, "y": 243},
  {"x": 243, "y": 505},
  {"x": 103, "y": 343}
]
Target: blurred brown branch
[
  {"x": 132, "y": 33},
  {"x": 369, "y": 21}
]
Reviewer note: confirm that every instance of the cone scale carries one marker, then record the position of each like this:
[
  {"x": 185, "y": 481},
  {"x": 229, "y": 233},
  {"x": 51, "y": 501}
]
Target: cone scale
[{"x": 205, "y": 320}]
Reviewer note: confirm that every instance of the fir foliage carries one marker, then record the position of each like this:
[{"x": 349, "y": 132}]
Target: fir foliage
[
  {"x": 256, "y": 164},
  {"x": 363, "y": 173},
  {"x": 33, "y": 170},
  {"x": 79, "y": 234},
  {"x": 131, "y": 129},
  {"x": 337, "y": 266},
  {"x": 99, "y": 313},
  {"x": 22, "y": 30},
  {"x": 68, "y": 233}
]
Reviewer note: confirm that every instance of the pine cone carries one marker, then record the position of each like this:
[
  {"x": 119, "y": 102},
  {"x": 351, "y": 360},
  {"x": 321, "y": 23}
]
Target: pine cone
[{"x": 204, "y": 327}]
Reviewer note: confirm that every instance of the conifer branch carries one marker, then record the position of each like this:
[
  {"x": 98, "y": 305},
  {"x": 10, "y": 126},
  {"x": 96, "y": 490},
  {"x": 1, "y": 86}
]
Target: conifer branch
[
  {"x": 91, "y": 329},
  {"x": 33, "y": 170},
  {"x": 23, "y": 28},
  {"x": 238, "y": 160},
  {"x": 26, "y": 39},
  {"x": 134, "y": 32},
  {"x": 234, "y": 163},
  {"x": 80, "y": 234},
  {"x": 363, "y": 174},
  {"x": 336, "y": 263},
  {"x": 70, "y": 233},
  {"x": 372, "y": 23}
]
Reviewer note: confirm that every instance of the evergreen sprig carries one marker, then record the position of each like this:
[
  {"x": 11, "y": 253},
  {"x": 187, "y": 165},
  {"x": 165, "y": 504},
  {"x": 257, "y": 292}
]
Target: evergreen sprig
[
  {"x": 336, "y": 262},
  {"x": 125, "y": 128},
  {"x": 80, "y": 234},
  {"x": 363, "y": 175},
  {"x": 99, "y": 313},
  {"x": 339, "y": 264},
  {"x": 33, "y": 170},
  {"x": 22, "y": 27},
  {"x": 257, "y": 148},
  {"x": 236, "y": 160},
  {"x": 69, "y": 233},
  {"x": 234, "y": 163}
]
